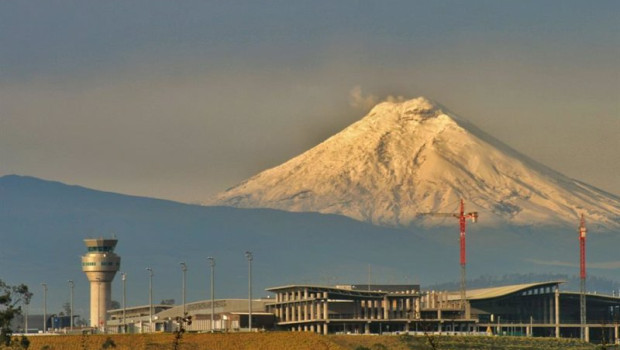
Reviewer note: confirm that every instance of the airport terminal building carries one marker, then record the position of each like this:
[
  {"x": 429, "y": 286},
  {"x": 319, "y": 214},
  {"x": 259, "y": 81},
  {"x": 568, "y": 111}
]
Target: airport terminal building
[{"x": 532, "y": 309}]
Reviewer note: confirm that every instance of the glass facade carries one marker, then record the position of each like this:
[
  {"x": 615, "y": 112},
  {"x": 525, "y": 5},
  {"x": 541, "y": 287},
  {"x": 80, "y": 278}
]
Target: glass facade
[
  {"x": 103, "y": 263},
  {"x": 102, "y": 249}
]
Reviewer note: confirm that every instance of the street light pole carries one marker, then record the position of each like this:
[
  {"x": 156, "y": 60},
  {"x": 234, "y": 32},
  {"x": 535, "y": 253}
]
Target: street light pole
[
  {"x": 26, "y": 311},
  {"x": 184, "y": 269},
  {"x": 150, "y": 270},
  {"x": 212, "y": 264},
  {"x": 250, "y": 257},
  {"x": 44, "y": 307},
  {"x": 71, "y": 285},
  {"x": 124, "y": 278}
]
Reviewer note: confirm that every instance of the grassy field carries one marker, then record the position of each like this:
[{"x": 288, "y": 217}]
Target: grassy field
[{"x": 297, "y": 341}]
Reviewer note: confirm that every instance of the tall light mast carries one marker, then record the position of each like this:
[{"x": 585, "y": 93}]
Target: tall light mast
[
  {"x": 462, "y": 216},
  {"x": 582, "y": 274}
]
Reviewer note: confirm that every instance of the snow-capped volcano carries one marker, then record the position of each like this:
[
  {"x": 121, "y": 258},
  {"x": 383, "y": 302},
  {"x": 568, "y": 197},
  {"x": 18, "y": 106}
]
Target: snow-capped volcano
[{"x": 412, "y": 157}]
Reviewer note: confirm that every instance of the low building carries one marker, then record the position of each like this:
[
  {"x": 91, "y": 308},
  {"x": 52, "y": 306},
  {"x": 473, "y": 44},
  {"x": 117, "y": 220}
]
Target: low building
[
  {"x": 229, "y": 315},
  {"x": 356, "y": 309},
  {"x": 135, "y": 319},
  {"x": 541, "y": 309},
  {"x": 532, "y": 309}
]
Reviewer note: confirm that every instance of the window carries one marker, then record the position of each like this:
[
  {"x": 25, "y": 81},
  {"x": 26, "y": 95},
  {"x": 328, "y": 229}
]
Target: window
[{"x": 100, "y": 249}]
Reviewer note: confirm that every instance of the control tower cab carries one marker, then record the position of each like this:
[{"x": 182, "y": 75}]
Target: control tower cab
[{"x": 100, "y": 264}]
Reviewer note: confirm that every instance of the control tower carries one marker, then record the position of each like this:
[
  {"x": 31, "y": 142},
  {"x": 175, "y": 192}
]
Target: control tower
[{"x": 100, "y": 265}]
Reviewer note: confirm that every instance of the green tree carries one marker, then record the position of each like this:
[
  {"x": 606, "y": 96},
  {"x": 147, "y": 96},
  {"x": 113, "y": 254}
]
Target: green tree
[
  {"x": 10, "y": 299},
  {"x": 66, "y": 309},
  {"x": 114, "y": 305}
]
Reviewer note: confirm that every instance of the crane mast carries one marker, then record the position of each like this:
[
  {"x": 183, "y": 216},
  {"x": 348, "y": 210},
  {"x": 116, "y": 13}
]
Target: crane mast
[
  {"x": 582, "y": 274},
  {"x": 462, "y": 217}
]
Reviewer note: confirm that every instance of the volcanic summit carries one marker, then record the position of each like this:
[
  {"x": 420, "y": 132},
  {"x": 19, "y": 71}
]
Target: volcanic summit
[{"x": 410, "y": 157}]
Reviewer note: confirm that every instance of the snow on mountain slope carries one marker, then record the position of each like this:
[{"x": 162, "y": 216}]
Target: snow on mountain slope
[{"x": 405, "y": 158}]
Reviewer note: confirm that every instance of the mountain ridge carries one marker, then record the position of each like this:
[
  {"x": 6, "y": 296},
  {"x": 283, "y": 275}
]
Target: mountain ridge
[
  {"x": 43, "y": 224},
  {"x": 408, "y": 157}
]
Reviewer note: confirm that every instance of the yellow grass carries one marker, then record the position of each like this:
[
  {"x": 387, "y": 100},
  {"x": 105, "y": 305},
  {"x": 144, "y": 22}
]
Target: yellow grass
[
  {"x": 232, "y": 341},
  {"x": 298, "y": 341}
]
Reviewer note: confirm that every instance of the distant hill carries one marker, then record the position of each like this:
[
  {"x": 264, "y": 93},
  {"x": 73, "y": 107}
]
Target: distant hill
[
  {"x": 571, "y": 282},
  {"x": 43, "y": 223}
]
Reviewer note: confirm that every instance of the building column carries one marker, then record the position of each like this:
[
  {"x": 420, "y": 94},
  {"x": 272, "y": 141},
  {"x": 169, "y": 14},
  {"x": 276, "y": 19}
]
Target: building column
[
  {"x": 545, "y": 311},
  {"x": 367, "y": 328},
  {"x": 325, "y": 310},
  {"x": 325, "y": 328},
  {"x": 587, "y": 333},
  {"x": 300, "y": 317},
  {"x": 386, "y": 308},
  {"x": 409, "y": 311},
  {"x": 528, "y": 331},
  {"x": 616, "y": 340},
  {"x": 305, "y": 311},
  {"x": 371, "y": 309},
  {"x": 551, "y": 310},
  {"x": 312, "y": 306},
  {"x": 315, "y": 310},
  {"x": 557, "y": 312},
  {"x": 467, "y": 310},
  {"x": 418, "y": 308}
]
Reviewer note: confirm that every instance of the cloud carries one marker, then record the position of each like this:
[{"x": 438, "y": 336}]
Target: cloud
[
  {"x": 391, "y": 98},
  {"x": 607, "y": 265},
  {"x": 358, "y": 100}
]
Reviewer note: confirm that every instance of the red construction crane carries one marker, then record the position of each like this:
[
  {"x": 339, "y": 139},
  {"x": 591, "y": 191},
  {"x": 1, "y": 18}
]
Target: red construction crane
[
  {"x": 462, "y": 216},
  {"x": 582, "y": 274}
]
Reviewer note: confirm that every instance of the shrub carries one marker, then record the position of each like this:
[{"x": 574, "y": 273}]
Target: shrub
[
  {"x": 24, "y": 342},
  {"x": 108, "y": 343}
]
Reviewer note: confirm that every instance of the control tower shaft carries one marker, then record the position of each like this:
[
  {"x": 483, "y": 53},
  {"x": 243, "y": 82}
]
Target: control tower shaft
[{"x": 100, "y": 264}]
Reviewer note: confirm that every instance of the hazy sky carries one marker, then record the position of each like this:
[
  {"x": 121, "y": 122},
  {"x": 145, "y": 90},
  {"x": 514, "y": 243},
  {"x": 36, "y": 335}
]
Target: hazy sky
[{"x": 183, "y": 99}]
